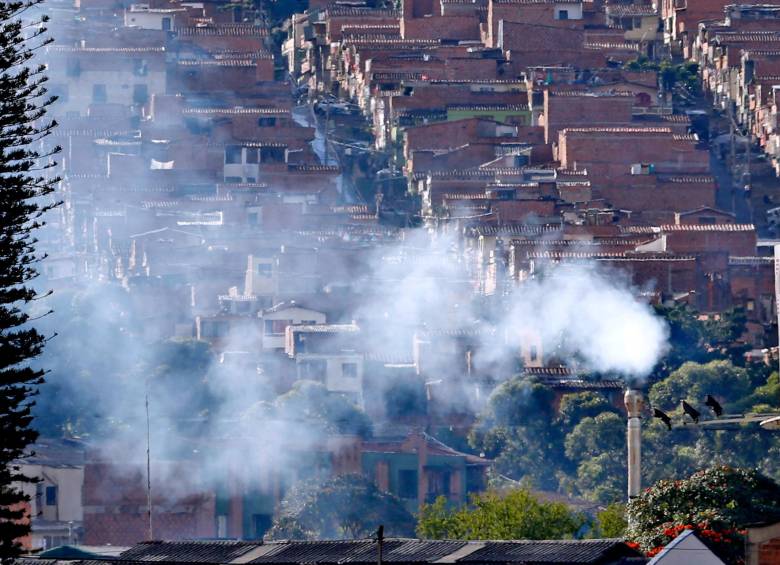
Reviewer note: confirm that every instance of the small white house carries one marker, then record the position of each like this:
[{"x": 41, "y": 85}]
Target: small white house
[
  {"x": 686, "y": 549},
  {"x": 279, "y": 317}
]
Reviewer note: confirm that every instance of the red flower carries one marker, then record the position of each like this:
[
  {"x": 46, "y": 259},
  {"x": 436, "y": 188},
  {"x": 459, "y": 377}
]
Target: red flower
[{"x": 655, "y": 551}]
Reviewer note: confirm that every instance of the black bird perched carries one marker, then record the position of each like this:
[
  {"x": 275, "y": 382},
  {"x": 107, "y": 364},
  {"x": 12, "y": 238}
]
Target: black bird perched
[
  {"x": 691, "y": 411},
  {"x": 714, "y": 405},
  {"x": 663, "y": 416}
]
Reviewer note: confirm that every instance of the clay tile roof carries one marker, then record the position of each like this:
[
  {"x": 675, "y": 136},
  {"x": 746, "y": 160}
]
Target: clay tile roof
[
  {"x": 687, "y": 179},
  {"x": 620, "y": 10},
  {"x": 346, "y": 11},
  {"x": 598, "y": 45},
  {"x": 395, "y": 42},
  {"x": 619, "y": 130},
  {"x": 234, "y": 111},
  {"x": 689, "y": 227},
  {"x": 537, "y": 2},
  {"x": 751, "y": 261},
  {"x": 218, "y": 63},
  {"x": 104, "y": 50},
  {"x": 223, "y": 30},
  {"x": 302, "y": 168},
  {"x": 746, "y": 37},
  {"x": 488, "y": 107},
  {"x": 589, "y": 94},
  {"x": 559, "y": 255}
]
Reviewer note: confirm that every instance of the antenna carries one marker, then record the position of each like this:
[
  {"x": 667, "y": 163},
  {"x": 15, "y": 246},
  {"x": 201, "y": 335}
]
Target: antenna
[{"x": 148, "y": 466}]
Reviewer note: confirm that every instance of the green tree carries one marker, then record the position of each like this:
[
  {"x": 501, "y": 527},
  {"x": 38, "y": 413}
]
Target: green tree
[
  {"x": 576, "y": 406},
  {"x": 312, "y": 401},
  {"x": 347, "y": 506},
  {"x": 716, "y": 503},
  {"x": 24, "y": 187},
  {"x": 515, "y": 514},
  {"x": 611, "y": 522},
  {"x": 597, "y": 447},
  {"x": 694, "y": 381},
  {"x": 517, "y": 431}
]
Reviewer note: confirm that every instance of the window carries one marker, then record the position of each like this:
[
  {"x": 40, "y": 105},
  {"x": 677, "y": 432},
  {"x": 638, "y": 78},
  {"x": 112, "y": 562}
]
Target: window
[
  {"x": 222, "y": 526},
  {"x": 233, "y": 180},
  {"x": 276, "y": 327},
  {"x": 252, "y": 218},
  {"x": 99, "y": 95},
  {"x": 438, "y": 484},
  {"x": 266, "y": 122},
  {"x": 314, "y": 370},
  {"x": 534, "y": 353},
  {"x": 707, "y": 220},
  {"x": 140, "y": 67},
  {"x": 233, "y": 155},
  {"x": 563, "y": 14},
  {"x": 73, "y": 67},
  {"x": 51, "y": 496},
  {"x": 251, "y": 155},
  {"x": 349, "y": 370},
  {"x": 140, "y": 94},
  {"x": 407, "y": 483},
  {"x": 166, "y": 24},
  {"x": 261, "y": 523},
  {"x": 265, "y": 269},
  {"x": 214, "y": 329}
]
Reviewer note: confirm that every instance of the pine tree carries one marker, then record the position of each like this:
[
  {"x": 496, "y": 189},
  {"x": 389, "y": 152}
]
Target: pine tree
[{"x": 26, "y": 183}]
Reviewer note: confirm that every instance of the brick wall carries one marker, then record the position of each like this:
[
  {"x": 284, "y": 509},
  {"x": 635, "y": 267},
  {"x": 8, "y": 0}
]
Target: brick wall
[
  {"x": 441, "y": 27},
  {"x": 115, "y": 508},
  {"x": 562, "y": 110},
  {"x": 769, "y": 553}
]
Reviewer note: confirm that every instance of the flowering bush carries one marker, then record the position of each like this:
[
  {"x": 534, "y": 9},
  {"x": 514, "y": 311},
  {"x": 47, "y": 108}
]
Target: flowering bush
[{"x": 715, "y": 503}]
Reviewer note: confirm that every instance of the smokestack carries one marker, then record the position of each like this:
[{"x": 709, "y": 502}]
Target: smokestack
[{"x": 634, "y": 403}]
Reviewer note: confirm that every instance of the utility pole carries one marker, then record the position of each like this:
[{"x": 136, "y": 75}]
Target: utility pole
[
  {"x": 149, "y": 466},
  {"x": 380, "y": 539},
  {"x": 733, "y": 163},
  {"x": 327, "y": 130}
]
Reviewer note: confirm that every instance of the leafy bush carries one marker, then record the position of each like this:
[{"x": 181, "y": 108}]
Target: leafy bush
[{"x": 715, "y": 503}]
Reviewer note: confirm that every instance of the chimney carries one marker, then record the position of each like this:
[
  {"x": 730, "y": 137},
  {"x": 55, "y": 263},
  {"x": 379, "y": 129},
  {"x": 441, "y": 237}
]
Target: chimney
[{"x": 634, "y": 403}]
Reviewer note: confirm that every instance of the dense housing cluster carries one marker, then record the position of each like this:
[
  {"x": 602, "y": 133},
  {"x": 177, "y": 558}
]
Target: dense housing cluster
[{"x": 332, "y": 196}]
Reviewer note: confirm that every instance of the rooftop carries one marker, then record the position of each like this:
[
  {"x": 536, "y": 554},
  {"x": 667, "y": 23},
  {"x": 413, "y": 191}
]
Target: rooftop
[{"x": 395, "y": 550}]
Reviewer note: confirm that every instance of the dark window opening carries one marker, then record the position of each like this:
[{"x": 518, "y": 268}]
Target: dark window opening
[
  {"x": 276, "y": 327},
  {"x": 266, "y": 122},
  {"x": 140, "y": 94},
  {"x": 563, "y": 15},
  {"x": 140, "y": 67},
  {"x": 233, "y": 155},
  {"x": 51, "y": 496},
  {"x": 407, "y": 483},
  {"x": 314, "y": 370},
  {"x": 99, "y": 95},
  {"x": 261, "y": 523},
  {"x": 349, "y": 370}
]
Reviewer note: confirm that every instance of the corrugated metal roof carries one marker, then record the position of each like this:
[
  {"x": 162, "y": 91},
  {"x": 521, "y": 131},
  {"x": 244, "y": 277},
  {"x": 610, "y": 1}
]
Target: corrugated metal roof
[
  {"x": 528, "y": 552},
  {"x": 221, "y": 551},
  {"x": 364, "y": 552}
]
